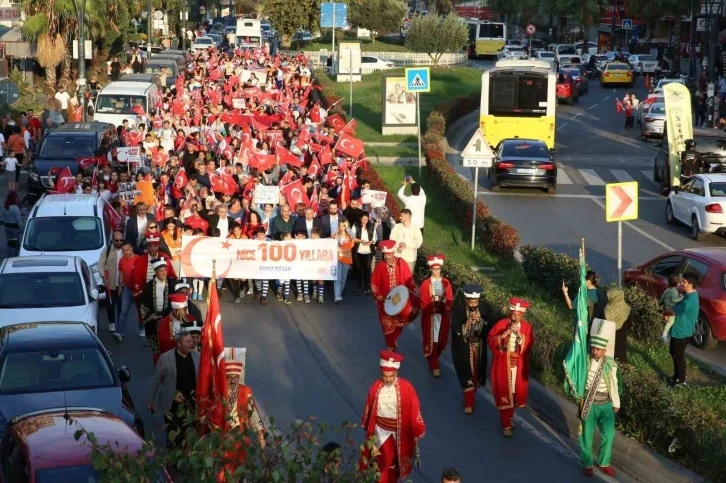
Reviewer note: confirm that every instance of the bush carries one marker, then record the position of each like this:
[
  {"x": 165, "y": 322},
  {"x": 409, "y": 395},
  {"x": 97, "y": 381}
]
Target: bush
[
  {"x": 326, "y": 36},
  {"x": 547, "y": 269},
  {"x": 646, "y": 315},
  {"x": 435, "y": 124}
]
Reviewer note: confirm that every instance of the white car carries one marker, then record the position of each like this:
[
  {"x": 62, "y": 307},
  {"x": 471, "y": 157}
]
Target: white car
[
  {"x": 203, "y": 43},
  {"x": 659, "y": 87},
  {"x": 370, "y": 64},
  {"x": 699, "y": 203},
  {"x": 591, "y": 48},
  {"x": 512, "y": 52},
  {"x": 643, "y": 63},
  {"x": 71, "y": 225},
  {"x": 47, "y": 288},
  {"x": 567, "y": 59}
]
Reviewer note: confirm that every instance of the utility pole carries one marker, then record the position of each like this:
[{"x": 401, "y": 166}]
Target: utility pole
[
  {"x": 184, "y": 14},
  {"x": 692, "y": 64},
  {"x": 81, "y": 13},
  {"x": 149, "y": 22},
  {"x": 613, "y": 12}
]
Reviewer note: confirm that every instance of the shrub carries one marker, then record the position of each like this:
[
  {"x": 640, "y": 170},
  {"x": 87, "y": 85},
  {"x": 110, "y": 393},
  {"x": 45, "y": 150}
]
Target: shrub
[
  {"x": 436, "y": 124},
  {"x": 547, "y": 268},
  {"x": 646, "y": 319}
]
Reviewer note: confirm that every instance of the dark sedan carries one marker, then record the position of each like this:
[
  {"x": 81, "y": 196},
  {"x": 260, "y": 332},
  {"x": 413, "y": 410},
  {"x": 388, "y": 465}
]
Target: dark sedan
[
  {"x": 523, "y": 163},
  {"x": 60, "y": 364}
]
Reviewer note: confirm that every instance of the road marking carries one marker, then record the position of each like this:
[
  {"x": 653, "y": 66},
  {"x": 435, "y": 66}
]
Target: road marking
[
  {"x": 638, "y": 230},
  {"x": 591, "y": 177},
  {"x": 576, "y": 115},
  {"x": 613, "y": 90},
  {"x": 561, "y": 195},
  {"x": 648, "y": 175},
  {"x": 621, "y": 176},
  {"x": 594, "y": 105},
  {"x": 562, "y": 177},
  {"x": 562, "y": 125},
  {"x": 606, "y": 98}
]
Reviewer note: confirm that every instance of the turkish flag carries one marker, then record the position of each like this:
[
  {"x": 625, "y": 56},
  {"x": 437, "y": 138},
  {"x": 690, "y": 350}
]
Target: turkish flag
[
  {"x": 286, "y": 157},
  {"x": 86, "y": 162},
  {"x": 350, "y": 127},
  {"x": 134, "y": 138},
  {"x": 315, "y": 114},
  {"x": 337, "y": 122},
  {"x": 295, "y": 193},
  {"x": 315, "y": 200},
  {"x": 349, "y": 145},
  {"x": 65, "y": 182},
  {"x": 262, "y": 162},
  {"x": 326, "y": 156},
  {"x": 287, "y": 178},
  {"x": 618, "y": 106},
  {"x": 315, "y": 169},
  {"x": 181, "y": 180},
  {"x": 160, "y": 158},
  {"x": 249, "y": 189},
  {"x": 224, "y": 184},
  {"x": 113, "y": 217},
  {"x": 139, "y": 111},
  {"x": 94, "y": 179},
  {"x": 304, "y": 136},
  {"x": 212, "y": 378}
]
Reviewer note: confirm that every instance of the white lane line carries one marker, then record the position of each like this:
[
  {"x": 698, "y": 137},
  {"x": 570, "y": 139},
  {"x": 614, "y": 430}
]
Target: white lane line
[
  {"x": 562, "y": 177},
  {"x": 638, "y": 230},
  {"x": 606, "y": 98},
  {"x": 613, "y": 90},
  {"x": 591, "y": 177},
  {"x": 648, "y": 175},
  {"x": 576, "y": 115},
  {"x": 560, "y": 126},
  {"x": 621, "y": 176},
  {"x": 594, "y": 105},
  {"x": 561, "y": 195}
]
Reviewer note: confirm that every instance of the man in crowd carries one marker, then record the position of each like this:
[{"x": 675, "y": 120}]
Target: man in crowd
[
  {"x": 467, "y": 347},
  {"x": 415, "y": 202},
  {"x": 510, "y": 341},
  {"x": 437, "y": 298},
  {"x": 392, "y": 273},
  {"x": 686, "y": 312},
  {"x": 329, "y": 221},
  {"x": 183, "y": 288},
  {"x": 451, "y": 475},
  {"x": 393, "y": 416},
  {"x": 144, "y": 271},
  {"x": 127, "y": 289},
  {"x": 172, "y": 386},
  {"x": 602, "y": 401},
  {"x": 155, "y": 304},
  {"x": 408, "y": 239},
  {"x": 283, "y": 223},
  {"x": 112, "y": 278},
  {"x": 242, "y": 409},
  {"x": 175, "y": 321},
  {"x": 136, "y": 225},
  {"x": 307, "y": 223}
]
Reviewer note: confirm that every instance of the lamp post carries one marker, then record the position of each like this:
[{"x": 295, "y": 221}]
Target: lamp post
[
  {"x": 81, "y": 13},
  {"x": 148, "y": 30},
  {"x": 184, "y": 16}
]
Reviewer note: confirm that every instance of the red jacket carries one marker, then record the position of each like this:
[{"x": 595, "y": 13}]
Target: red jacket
[
  {"x": 141, "y": 267},
  {"x": 500, "y": 365},
  {"x": 197, "y": 222},
  {"x": 429, "y": 308}
]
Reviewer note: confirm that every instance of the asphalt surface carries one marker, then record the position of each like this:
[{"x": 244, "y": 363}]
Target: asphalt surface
[{"x": 593, "y": 149}]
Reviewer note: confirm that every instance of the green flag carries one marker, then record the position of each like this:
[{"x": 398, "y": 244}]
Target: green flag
[{"x": 576, "y": 360}]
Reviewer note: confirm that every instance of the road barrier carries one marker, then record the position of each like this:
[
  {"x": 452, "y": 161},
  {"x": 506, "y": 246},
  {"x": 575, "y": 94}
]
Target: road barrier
[{"x": 400, "y": 59}]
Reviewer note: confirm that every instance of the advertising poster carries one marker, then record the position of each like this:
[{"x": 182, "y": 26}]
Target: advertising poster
[{"x": 399, "y": 107}]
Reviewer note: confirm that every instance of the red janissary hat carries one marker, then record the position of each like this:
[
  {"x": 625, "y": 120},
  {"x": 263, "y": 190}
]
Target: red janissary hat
[
  {"x": 152, "y": 239},
  {"x": 435, "y": 260},
  {"x": 517, "y": 304},
  {"x": 178, "y": 300},
  {"x": 387, "y": 246},
  {"x": 390, "y": 361}
]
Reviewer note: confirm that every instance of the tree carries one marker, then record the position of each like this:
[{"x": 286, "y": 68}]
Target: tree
[
  {"x": 435, "y": 36},
  {"x": 584, "y": 12},
  {"x": 650, "y": 10},
  {"x": 381, "y": 16},
  {"x": 246, "y": 7},
  {"x": 287, "y": 17}
]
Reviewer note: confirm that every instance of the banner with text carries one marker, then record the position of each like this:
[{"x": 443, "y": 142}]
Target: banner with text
[
  {"x": 374, "y": 198},
  {"x": 267, "y": 194},
  {"x": 679, "y": 120},
  {"x": 259, "y": 260}
]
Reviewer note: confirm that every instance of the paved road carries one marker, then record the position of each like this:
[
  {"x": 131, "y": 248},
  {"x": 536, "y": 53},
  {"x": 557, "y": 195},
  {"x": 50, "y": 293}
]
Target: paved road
[{"x": 593, "y": 149}]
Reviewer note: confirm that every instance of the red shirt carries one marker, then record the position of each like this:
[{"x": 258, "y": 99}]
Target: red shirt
[
  {"x": 34, "y": 125},
  {"x": 126, "y": 267},
  {"x": 197, "y": 222}
]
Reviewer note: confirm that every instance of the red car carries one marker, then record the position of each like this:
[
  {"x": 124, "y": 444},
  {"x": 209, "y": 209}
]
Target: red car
[
  {"x": 567, "y": 89},
  {"x": 40, "y": 447},
  {"x": 709, "y": 264}
]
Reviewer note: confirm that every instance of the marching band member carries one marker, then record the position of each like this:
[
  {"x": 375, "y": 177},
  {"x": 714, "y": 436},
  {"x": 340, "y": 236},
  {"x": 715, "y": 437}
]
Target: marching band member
[
  {"x": 467, "y": 347},
  {"x": 437, "y": 298},
  {"x": 177, "y": 319}
]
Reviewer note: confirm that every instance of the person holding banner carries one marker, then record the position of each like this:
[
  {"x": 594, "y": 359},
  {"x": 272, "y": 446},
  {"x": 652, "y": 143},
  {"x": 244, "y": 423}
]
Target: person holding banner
[{"x": 262, "y": 286}]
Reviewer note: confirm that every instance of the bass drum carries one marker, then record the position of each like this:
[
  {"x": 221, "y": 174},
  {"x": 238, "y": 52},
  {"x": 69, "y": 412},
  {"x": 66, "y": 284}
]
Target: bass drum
[{"x": 402, "y": 304}]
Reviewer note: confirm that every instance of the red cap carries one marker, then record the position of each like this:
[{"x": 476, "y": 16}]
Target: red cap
[
  {"x": 178, "y": 300},
  {"x": 517, "y": 304},
  {"x": 390, "y": 361},
  {"x": 435, "y": 260},
  {"x": 152, "y": 238},
  {"x": 387, "y": 246}
]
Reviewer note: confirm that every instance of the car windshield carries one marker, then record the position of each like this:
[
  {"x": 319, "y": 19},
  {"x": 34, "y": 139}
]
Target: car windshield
[
  {"x": 617, "y": 67},
  {"x": 525, "y": 150},
  {"x": 572, "y": 72},
  {"x": 67, "y": 147},
  {"x": 204, "y": 40},
  {"x": 548, "y": 55},
  {"x": 154, "y": 68},
  {"x": 45, "y": 289},
  {"x": 711, "y": 145},
  {"x": 63, "y": 234},
  {"x": 56, "y": 370},
  {"x": 657, "y": 109},
  {"x": 717, "y": 190},
  {"x": 646, "y": 58},
  {"x": 119, "y": 104}
]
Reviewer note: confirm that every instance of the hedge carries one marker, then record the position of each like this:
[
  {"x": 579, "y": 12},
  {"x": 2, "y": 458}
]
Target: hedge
[{"x": 681, "y": 424}]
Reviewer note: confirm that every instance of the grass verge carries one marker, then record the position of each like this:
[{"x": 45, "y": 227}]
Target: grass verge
[
  {"x": 392, "y": 151},
  {"x": 446, "y": 84}
]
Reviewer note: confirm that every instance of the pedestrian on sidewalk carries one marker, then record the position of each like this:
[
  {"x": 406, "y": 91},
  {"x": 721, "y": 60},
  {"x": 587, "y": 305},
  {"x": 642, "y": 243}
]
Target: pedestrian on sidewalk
[
  {"x": 686, "y": 313},
  {"x": 11, "y": 167},
  {"x": 13, "y": 222}
]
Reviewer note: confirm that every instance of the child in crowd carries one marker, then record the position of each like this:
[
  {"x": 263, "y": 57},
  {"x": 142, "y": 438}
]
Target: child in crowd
[
  {"x": 11, "y": 166},
  {"x": 669, "y": 299},
  {"x": 303, "y": 286}
]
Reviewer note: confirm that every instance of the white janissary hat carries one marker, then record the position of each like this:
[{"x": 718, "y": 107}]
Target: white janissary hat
[
  {"x": 234, "y": 361},
  {"x": 390, "y": 361},
  {"x": 181, "y": 286},
  {"x": 435, "y": 260},
  {"x": 158, "y": 263}
]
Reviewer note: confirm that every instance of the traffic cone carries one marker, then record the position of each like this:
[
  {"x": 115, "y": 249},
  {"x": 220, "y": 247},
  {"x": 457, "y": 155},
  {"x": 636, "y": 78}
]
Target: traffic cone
[{"x": 647, "y": 81}]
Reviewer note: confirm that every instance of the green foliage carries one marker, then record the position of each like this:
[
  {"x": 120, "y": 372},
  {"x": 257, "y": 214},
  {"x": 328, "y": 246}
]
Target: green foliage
[
  {"x": 435, "y": 36},
  {"x": 646, "y": 316},
  {"x": 288, "y": 16},
  {"x": 548, "y": 269},
  {"x": 381, "y": 16},
  {"x": 435, "y": 124},
  {"x": 35, "y": 26},
  {"x": 651, "y": 10}
]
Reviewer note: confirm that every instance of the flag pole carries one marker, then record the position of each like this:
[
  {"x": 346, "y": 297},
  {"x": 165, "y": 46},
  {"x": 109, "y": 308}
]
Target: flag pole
[
  {"x": 213, "y": 280},
  {"x": 582, "y": 246}
]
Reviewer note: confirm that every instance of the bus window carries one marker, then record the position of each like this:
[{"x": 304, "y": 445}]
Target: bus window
[
  {"x": 518, "y": 94},
  {"x": 491, "y": 31}
]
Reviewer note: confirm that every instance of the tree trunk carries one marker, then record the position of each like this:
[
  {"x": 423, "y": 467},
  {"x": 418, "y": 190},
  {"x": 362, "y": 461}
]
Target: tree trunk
[
  {"x": 66, "y": 68},
  {"x": 51, "y": 79},
  {"x": 677, "y": 45},
  {"x": 286, "y": 41}
]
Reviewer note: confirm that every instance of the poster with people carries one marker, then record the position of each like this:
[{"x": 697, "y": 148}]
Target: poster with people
[{"x": 400, "y": 106}]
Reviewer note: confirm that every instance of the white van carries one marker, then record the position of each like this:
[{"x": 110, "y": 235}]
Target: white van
[
  {"x": 249, "y": 33},
  {"x": 116, "y": 101},
  {"x": 72, "y": 225}
]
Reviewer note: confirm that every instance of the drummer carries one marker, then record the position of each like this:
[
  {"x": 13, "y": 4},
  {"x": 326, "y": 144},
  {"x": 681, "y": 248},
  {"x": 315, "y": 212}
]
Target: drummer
[{"x": 386, "y": 276}]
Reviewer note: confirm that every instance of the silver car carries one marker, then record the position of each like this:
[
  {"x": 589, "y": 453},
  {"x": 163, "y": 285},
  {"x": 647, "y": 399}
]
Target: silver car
[{"x": 654, "y": 118}]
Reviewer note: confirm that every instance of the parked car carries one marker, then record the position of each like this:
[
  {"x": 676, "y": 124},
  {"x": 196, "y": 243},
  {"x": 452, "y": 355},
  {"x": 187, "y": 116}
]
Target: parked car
[
  {"x": 567, "y": 90},
  {"x": 653, "y": 118},
  {"x": 41, "y": 447},
  {"x": 203, "y": 43},
  {"x": 303, "y": 36},
  {"x": 709, "y": 265},
  {"x": 591, "y": 48},
  {"x": 370, "y": 64},
  {"x": 60, "y": 364},
  {"x": 699, "y": 204},
  {"x": 512, "y": 52},
  {"x": 617, "y": 73},
  {"x": 545, "y": 55},
  {"x": 663, "y": 82},
  {"x": 568, "y": 59},
  {"x": 578, "y": 75},
  {"x": 49, "y": 287},
  {"x": 523, "y": 163},
  {"x": 643, "y": 64}
]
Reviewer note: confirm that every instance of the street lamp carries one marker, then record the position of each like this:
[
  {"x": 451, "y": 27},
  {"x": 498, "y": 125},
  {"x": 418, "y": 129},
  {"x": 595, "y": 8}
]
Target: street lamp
[
  {"x": 148, "y": 30},
  {"x": 81, "y": 14},
  {"x": 184, "y": 16}
]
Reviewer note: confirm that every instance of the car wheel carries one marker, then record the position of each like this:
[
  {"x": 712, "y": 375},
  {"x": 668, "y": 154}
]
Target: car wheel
[
  {"x": 495, "y": 186},
  {"x": 656, "y": 174},
  {"x": 702, "y": 335},
  {"x": 664, "y": 188},
  {"x": 670, "y": 217},
  {"x": 696, "y": 233}
]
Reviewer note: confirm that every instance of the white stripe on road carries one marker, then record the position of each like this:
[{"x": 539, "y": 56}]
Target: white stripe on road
[
  {"x": 594, "y": 105},
  {"x": 606, "y": 98},
  {"x": 621, "y": 176},
  {"x": 638, "y": 230},
  {"x": 562, "y": 125},
  {"x": 562, "y": 177},
  {"x": 591, "y": 177},
  {"x": 648, "y": 175}
]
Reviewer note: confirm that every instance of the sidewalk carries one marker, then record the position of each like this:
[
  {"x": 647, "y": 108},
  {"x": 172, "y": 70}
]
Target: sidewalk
[{"x": 24, "y": 209}]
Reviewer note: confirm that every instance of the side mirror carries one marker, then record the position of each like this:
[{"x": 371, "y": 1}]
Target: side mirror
[
  {"x": 553, "y": 150},
  {"x": 124, "y": 374},
  {"x": 94, "y": 294}
]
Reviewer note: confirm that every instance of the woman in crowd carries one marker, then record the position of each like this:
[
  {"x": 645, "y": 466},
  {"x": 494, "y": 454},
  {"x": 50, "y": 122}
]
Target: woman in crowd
[
  {"x": 365, "y": 240},
  {"x": 13, "y": 222},
  {"x": 171, "y": 236},
  {"x": 618, "y": 311},
  {"x": 345, "y": 258}
]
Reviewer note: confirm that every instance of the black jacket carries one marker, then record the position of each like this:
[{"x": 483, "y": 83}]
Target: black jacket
[{"x": 301, "y": 225}]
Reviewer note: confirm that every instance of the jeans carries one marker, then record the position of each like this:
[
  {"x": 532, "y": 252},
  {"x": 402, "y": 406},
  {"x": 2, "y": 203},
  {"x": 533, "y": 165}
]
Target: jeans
[
  {"x": 364, "y": 269},
  {"x": 678, "y": 354},
  {"x": 113, "y": 305},
  {"x": 340, "y": 281},
  {"x": 127, "y": 300}
]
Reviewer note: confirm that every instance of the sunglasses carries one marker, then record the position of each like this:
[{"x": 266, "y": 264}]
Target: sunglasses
[{"x": 153, "y": 227}]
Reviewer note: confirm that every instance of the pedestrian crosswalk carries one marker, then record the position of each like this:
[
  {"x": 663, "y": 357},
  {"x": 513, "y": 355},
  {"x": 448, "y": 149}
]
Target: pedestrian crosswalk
[{"x": 600, "y": 176}]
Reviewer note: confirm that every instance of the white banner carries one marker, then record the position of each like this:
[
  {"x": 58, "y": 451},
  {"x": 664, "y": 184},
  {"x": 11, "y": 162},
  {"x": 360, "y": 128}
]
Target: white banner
[
  {"x": 259, "y": 260},
  {"x": 238, "y": 103},
  {"x": 267, "y": 194},
  {"x": 374, "y": 198},
  {"x": 128, "y": 154}
]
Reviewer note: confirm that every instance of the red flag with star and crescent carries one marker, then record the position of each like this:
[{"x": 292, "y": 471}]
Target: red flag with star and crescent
[
  {"x": 295, "y": 193},
  {"x": 65, "y": 182},
  {"x": 212, "y": 378},
  {"x": 113, "y": 216},
  {"x": 349, "y": 145}
]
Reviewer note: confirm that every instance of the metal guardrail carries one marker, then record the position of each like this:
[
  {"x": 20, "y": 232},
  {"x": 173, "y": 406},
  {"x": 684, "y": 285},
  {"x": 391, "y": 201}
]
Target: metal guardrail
[{"x": 400, "y": 59}]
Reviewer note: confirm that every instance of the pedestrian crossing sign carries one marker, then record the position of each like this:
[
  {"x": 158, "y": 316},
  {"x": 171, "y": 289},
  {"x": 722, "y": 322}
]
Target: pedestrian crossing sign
[{"x": 418, "y": 79}]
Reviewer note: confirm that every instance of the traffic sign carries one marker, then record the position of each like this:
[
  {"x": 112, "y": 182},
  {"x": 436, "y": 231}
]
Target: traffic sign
[
  {"x": 627, "y": 23},
  {"x": 621, "y": 201},
  {"x": 531, "y": 29},
  {"x": 477, "y": 153},
  {"x": 333, "y": 15},
  {"x": 418, "y": 79}
]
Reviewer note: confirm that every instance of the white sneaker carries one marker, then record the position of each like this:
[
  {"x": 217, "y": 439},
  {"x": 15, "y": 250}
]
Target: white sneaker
[
  {"x": 142, "y": 333},
  {"x": 112, "y": 327}
]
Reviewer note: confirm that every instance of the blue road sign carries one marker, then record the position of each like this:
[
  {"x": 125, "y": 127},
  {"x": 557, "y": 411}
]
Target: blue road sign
[
  {"x": 418, "y": 79},
  {"x": 627, "y": 23},
  {"x": 326, "y": 15}
]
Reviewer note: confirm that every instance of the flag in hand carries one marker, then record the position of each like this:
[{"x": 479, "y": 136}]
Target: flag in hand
[
  {"x": 139, "y": 111},
  {"x": 117, "y": 222},
  {"x": 349, "y": 145},
  {"x": 576, "y": 361},
  {"x": 295, "y": 193},
  {"x": 212, "y": 378},
  {"x": 65, "y": 182}
]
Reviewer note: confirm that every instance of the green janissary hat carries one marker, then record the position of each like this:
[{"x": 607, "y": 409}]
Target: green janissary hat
[
  {"x": 599, "y": 341},
  {"x": 600, "y": 333}
]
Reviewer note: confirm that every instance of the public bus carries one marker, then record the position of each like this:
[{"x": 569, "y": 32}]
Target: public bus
[
  {"x": 519, "y": 99},
  {"x": 485, "y": 38}
]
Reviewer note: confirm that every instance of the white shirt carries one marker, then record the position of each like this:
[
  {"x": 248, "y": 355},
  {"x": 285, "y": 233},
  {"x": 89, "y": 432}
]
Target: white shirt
[
  {"x": 149, "y": 271},
  {"x": 334, "y": 224},
  {"x": 63, "y": 98},
  {"x": 387, "y": 408},
  {"x": 159, "y": 302},
  {"x": 411, "y": 236},
  {"x": 11, "y": 164},
  {"x": 603, "y": 387},
  {"x": 417, "y": 205},
  {"x": 223, "y": 226},
  {"x": 119, "y": 276},
  {"x": 141, "y": 223},
  {"x": 309, "y": 227},
  {"x": 363, "y": 236}
]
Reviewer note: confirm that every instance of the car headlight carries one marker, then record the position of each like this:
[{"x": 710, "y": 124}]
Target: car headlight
[{"x": 94, "y": 267}]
